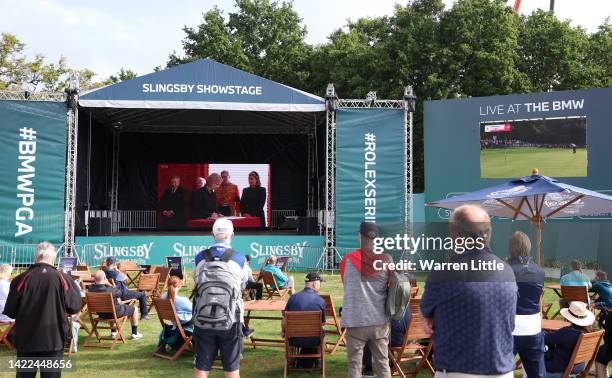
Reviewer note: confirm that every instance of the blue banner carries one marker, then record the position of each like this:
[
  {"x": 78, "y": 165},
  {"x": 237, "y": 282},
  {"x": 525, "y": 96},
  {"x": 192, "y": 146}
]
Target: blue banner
[{"x": 370, "y": 172}]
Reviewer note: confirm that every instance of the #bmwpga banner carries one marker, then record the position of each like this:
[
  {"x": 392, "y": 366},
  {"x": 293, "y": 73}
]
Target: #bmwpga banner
[
  {"x": 370, "y": 172},
  {"x": 32, "y": 171}
]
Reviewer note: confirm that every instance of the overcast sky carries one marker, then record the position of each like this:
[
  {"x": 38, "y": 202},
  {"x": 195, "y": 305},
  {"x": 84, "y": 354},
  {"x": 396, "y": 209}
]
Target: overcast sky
[{"x": 137, "y": 34}]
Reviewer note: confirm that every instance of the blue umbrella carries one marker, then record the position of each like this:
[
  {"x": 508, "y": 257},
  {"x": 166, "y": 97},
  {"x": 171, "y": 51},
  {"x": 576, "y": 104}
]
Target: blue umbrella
[{"x": 535, "y": 198}]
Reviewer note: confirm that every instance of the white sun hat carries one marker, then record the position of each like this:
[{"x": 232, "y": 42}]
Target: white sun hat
[{"x": 579, "y": 314}]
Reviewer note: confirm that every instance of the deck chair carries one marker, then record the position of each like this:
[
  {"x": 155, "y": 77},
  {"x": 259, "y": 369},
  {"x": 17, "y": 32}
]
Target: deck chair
[
  {"x": 271, "y": 287},
  {"x": 167, "y": 312},
  {"x": 545, "y": 307},
  {"x": 573, "y": 293},
  {"x": 303, "y": 324},
  {"x": 414, "y": 291},
  {"x": 164, "y": 277},
  {"x": 333, "y": 320},
  {"x": 411, "y": 348},
  {"x": 584, "y": 351},
  {"x": 148, "y": 284},
  {"x": 103, "y": 303},
  {"x": 5, "y": 328}
]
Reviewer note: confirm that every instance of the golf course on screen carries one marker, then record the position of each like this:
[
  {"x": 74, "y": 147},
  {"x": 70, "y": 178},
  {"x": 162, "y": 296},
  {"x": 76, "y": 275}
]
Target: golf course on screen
[{"x": 517, "y": 162}]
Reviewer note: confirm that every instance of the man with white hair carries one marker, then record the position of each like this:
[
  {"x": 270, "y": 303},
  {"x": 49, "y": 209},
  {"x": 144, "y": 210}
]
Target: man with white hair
[
  {"x": 218, "y": 323},
  {"x": 39, "y": 300}
]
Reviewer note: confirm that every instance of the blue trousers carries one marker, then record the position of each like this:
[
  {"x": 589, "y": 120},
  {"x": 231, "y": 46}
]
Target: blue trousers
[
  {"x": 142, "y": 300},
  {"x": 531, "y": 351}
]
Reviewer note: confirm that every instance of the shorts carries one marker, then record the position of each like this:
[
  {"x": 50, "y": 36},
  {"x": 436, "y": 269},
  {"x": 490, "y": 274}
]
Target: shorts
[
  {"x": 209, "y": 344},
  {"x": 604, "y": 355}
]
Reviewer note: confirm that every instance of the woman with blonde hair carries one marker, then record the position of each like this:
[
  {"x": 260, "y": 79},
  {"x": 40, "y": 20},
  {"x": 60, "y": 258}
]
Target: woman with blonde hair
[{"x": 182, "y": 304}]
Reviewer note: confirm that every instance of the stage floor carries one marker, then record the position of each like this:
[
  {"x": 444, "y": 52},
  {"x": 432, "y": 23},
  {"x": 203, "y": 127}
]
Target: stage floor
[{"x": 204, "y": 233}]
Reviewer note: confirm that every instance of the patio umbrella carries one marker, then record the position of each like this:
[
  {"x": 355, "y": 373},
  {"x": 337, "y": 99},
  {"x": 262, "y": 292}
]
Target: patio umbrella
[{"x": 534, "y": 198}]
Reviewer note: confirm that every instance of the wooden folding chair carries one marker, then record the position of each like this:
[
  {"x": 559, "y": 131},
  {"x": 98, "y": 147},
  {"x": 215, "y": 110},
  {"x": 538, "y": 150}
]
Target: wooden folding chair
[
  {"x": 164, "y": 277},
  {"x": 148, "y": 284},
  {"x": 271, "y": 287},
  {"x": 411, "y": 348},
  {"x": 82, "y": 268},
  {"x": 167, "y": 312},
  {"x": 333, "y": 320},
  {"x": 303, "y": 324},
  {"x": 544, "y": 307},
  {"x": 103, "y": 303},
  {"x": 585, "y": 352},
  {"x": 5, "y": 328},
  {"x": 573, "y": 293}
]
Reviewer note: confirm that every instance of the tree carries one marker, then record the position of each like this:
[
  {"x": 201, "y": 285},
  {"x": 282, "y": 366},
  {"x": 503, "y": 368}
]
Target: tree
[
  {"x": 599, "y": 54},
  {"x": 263, "y": 37}
]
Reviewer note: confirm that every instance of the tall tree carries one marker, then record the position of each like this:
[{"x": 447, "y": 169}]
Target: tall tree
[
  {"x": 599, "y": 54},
  {"x": 263, "y": 37}
]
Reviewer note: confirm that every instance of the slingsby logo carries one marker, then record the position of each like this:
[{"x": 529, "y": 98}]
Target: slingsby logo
[
  {"x": 141, "y": 251},
  {"x": 295, "y": 250}
]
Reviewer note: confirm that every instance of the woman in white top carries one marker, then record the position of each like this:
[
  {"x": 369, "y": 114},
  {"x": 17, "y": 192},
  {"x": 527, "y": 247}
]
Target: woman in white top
[{"x": 5, "y": 273}]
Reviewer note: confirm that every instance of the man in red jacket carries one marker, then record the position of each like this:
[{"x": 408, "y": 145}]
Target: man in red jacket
[{"x": 39, "y": 300}]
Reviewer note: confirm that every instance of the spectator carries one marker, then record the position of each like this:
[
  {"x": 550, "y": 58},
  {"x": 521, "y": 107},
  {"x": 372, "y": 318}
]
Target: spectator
[
  {"x": 561, "y": 343},
  {"x": 169, "y": 334},
  {"x": 251, "y": 282},
  {"x": 602, "y": 287},
  {"x": 40, "y": 300},
  {"x": 604, "y": 355},
  {"x": 282, "y": 280},
  {"x": 528, "y": 336},
  {"x": 575, "y": 277},
  {"x": 363, "y": 311},
  {"x": 472, "y": 311},
  {"x": 101, "y": 285},
  {"x": 307, "y": 300},
  {"x": 112, "y": 272},
  {"x": 211, "y": 337},
  {"x": 5, "y": 273}
]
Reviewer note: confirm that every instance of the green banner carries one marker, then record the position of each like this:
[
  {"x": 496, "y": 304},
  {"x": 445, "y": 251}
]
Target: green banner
[
  {"x": 304, "y": 251},
  {"x": 32, "y": 171},
  {"x": 370, "y": 172}
]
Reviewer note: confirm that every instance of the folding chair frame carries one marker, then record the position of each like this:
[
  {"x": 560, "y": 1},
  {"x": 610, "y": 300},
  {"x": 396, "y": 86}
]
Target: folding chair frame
[
  {"x": 4, "y": 334},
  {"x": 579, "y": 354},
  {"x": 268, "y": 281},
  {"x": 163, "y": 307},
  {"x": 114, "y": 322},
  {"x": 330, "y": 312}
]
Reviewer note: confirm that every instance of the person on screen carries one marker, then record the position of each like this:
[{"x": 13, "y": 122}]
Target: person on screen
[
  {"x": 228, "y": 196},
  {"x": 253, "y": 199},
  {"x": 197, "y": 198},
  {"x": 200, "y": 182},
  {"x": 203, "y": 201},
  {"x": 173, "y": 204}
]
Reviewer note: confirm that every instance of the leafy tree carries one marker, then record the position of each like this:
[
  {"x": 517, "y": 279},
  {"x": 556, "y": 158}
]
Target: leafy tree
[{"x": 599, "y": 54}]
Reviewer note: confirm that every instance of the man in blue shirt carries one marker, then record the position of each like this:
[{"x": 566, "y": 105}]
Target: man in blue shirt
[
  {"x": 575, "y": 277},
  {"x": 602, "y": 287},
  {"x": 471, "y": 312},
  {"x": 307, "y": 300},
  {"x": 113, "y": 273}
]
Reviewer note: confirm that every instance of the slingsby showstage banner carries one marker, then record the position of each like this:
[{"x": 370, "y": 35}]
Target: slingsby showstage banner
[
  {"x": 370, "y": 171},
  {"x": 32, "y": 171},
  {"x": 304, "y": 251}
]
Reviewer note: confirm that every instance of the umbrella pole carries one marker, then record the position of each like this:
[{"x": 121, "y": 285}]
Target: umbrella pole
[{"x": 538, "y": 241}]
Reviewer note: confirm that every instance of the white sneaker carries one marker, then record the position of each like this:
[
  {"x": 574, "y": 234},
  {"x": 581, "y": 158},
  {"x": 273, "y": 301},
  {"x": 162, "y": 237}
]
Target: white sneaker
[
  {"x": 113, "y": 334},
  {"x": 136, "y": 336}
]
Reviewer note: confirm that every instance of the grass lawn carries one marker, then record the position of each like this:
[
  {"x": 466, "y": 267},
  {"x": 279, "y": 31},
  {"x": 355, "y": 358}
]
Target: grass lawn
[
  {"x": 518, "y": 162},
  {"x": 134, "y": 358}
]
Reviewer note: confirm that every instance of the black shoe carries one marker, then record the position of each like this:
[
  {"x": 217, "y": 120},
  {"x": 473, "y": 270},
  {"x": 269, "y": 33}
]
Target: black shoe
[
  {"x": 367, "y": 373},
  {"x": 248, "y": 332}
]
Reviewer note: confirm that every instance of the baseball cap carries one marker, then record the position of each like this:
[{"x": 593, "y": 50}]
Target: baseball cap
[
  {"x": 312, "y": 277},
  {"x": 110, "y": 260},
  {"x": 369, "y": 229},
  {"x": 223, "y": 226}
]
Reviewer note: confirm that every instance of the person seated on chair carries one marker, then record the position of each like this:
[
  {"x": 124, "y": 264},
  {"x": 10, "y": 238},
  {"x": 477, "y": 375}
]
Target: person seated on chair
[
  {"x": 251, "y": 282},
  {"x": 112, "y": 272},
  {"x": 184, "y": 311},
  {"x": 604, "y": 354},
  {"x": 573, "y": 278},
  {"x": 601, "y": 286},
  {"x": 102, "y": 286},
  {"x": 561, "y": 343},
  {"x": 283, "y": 281},
  {"x": 307, "y": 300},
  {"x": 5, "y": 273}
]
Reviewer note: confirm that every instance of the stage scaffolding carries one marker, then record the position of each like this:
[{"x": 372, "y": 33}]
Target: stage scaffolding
[{"x": 333, "y": 103}]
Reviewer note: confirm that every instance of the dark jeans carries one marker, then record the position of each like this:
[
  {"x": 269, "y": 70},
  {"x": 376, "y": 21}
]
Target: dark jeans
[
  {"x": 531, "y": 351},
  {"x": 58, "y": 354},
  {"x": 142, "y": 300},
  {"x": 258, "y": 287}
]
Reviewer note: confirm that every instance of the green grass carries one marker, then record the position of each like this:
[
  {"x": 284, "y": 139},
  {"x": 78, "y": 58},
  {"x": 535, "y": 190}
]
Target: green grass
[
  {"x": 518, "y": 162},
  {"x": 134, "y": 358}
]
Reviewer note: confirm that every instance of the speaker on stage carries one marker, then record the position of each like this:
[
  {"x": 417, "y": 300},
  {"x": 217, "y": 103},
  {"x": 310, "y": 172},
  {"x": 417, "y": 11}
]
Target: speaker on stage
[
  {"x": 99, "y": 226},
  {"x": 308, "y": 226}
]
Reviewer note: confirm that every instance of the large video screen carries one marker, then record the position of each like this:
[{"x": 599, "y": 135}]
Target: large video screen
[
  {"x": 557, "y": 147},
  {"x": 190, "y": 175}
]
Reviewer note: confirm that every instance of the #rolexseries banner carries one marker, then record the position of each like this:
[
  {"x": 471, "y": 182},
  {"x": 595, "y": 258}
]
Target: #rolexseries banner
[
  {"x": 370, "y": 172},
  {"x": 32, "y": 171}
]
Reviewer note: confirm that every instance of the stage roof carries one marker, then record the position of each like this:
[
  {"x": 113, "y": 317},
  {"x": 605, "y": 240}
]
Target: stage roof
[{"x": 203, "y": 84}]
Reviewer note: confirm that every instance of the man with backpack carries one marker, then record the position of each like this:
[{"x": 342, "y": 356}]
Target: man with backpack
[
  {"x": 364, "y": 313},
  {"x": 218, "y": 310}
]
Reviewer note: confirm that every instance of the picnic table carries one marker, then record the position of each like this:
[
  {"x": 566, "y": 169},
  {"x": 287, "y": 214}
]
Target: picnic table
[
  {"x": 264, "y": 305},
  {"x": 133, "y": 280},
  {"x": 553, "y": 325},
  {"x": 556, "y": 288}
]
